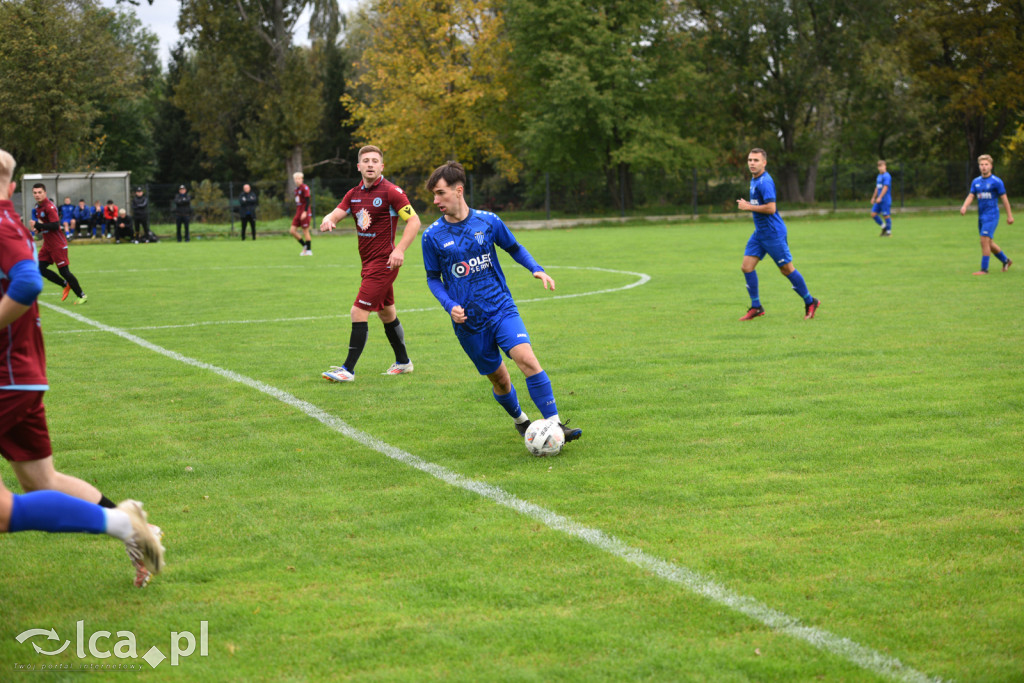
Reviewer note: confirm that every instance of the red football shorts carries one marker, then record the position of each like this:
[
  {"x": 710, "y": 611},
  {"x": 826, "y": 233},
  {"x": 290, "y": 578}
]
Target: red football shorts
[
  {"x": 376, "y": 290},
  {"x": 299, "y": 221},
  {"x": 23, "y": 432},
  {"x": 60, "y": 259}
]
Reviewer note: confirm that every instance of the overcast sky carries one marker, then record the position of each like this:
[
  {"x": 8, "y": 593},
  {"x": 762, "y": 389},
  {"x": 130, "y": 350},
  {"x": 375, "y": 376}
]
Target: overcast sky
[{"x": 162, "y": 17}]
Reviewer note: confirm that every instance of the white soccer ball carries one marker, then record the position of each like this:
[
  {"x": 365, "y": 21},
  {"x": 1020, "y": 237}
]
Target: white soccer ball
[{"x": 544, "y": 437}]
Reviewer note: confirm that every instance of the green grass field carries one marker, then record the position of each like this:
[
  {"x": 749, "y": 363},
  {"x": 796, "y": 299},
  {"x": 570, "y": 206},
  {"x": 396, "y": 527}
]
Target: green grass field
[{"x": 859, "y": 474}]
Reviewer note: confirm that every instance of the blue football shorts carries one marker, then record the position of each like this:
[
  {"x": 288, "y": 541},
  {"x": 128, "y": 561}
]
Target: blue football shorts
[
  {"x": 778, "y": 249},
  {"x": 882, "y": 208},
  {"x": 483, "y": 347},
  {"x": 987, "y": 225}
]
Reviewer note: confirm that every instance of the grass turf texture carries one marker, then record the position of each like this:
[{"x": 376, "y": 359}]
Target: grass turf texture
[{"x": 859, "y": 472}]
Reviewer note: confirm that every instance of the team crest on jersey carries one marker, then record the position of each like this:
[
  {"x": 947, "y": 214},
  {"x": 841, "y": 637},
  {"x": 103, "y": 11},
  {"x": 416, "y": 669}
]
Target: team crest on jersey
[
  {"x": 377, "y": 201},
  {"x": 479, "y": 237},
  {"x": 363, "y": 219}
]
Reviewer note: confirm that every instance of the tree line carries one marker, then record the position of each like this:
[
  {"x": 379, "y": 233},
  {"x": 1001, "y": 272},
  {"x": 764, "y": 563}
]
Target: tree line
[{"x": 590, "y": 93}]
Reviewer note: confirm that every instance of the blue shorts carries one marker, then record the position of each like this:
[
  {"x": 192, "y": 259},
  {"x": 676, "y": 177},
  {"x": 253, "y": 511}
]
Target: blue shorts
[
  {"x": 778, "y": 249},
  {"x": 882, "y": 208},
  {"x": 482, "y": 347},
  {"x": 987, "y": 225}
]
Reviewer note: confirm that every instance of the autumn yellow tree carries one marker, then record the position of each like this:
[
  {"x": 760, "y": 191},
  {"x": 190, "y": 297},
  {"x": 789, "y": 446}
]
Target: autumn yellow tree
[{"x": 430, "y": 84}]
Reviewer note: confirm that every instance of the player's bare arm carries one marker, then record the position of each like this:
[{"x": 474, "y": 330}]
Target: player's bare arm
[
  {"x": 331, "y": 220},
  {"x": 546, "y": 279},
  {"x": 412, "y": 228},
  {"x": 967, "y": 204},
  {"x": 1006, "y": 205},
  {"x": 10, "y": 310}
]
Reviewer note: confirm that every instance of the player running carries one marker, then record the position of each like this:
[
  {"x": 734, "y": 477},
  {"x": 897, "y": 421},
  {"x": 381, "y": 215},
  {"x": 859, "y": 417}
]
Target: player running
[
  {"x": 464, "y": 274},
  {"x": 989, "y": 189},
  {"x": 769, "y": 237},
  {"x": 55, "y": 246},
  {"x": 302, "y": 215},
  {"x": 53, "y": 501},
  {"x": 376, "y": 204}
]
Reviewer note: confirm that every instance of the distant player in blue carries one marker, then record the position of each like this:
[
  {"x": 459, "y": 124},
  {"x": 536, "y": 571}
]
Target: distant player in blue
[
  {"x": 464, "y": 274},
  {"x": 881, "y": 200},
  {"x": 769, "y": 238},
  {"x": 989, "y": 189}
]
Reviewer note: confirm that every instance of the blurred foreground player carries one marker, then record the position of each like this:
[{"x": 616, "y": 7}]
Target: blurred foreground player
[{"x": 53, "y": 501}]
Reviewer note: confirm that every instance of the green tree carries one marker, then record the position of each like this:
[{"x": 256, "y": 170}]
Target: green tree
[
  {"x": 431, "y": 84},
  {"x": 60, "y": 60},
  {"x": 966, "y": 63},
  {"x": 779, "y": 71},
  {"x": 600, "y": 85}
]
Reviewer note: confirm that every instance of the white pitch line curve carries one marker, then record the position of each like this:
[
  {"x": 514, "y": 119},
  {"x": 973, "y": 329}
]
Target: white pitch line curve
[
  {"x": 642, "y": 279},
  {"x": 853, "y": 652}
]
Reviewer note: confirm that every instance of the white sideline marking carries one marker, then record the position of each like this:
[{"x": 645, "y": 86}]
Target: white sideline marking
[
  {"x": 853, "y": 652},
  {"x": 642, "y": 279}
]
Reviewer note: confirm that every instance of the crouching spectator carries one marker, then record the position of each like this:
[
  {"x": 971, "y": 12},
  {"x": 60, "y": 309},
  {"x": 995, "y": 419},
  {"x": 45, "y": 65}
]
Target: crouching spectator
[{"x": 123, "y": 229}]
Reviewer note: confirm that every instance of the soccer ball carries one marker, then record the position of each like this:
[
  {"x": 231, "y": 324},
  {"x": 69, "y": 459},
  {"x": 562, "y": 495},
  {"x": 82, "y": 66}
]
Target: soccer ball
[{"x": 544, "y": 437}]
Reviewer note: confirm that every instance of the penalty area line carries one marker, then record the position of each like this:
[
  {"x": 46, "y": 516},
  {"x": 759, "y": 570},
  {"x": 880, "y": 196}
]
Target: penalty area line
[{"x": 849, "y": 650}]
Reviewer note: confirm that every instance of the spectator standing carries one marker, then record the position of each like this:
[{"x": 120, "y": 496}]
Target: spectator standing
[
  {"x": 247, "y": 204},
  {"x": 182, "y": 211},
  {"x": 140, "y": 214},
  {"x": 83, "y": 218}
]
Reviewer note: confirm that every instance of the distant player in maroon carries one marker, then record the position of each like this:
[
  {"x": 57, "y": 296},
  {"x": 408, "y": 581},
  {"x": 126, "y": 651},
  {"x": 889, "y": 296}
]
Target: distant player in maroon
[
  {"x": 55, "y": 246},
  {"x": 376, "y": 204},
  {"x": 302, "y": 215}
]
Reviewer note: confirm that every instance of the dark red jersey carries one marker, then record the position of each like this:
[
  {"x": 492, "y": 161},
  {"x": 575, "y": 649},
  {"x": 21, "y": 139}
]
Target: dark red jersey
[
  {"x": 375, "y": 210},
  {"x": 21, "y": 342},
  {"x": 302, "y": 195},
  {"x": 55, "y": 243}
]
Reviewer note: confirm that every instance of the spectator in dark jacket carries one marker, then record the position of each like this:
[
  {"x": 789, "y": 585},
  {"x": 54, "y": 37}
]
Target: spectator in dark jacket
[
  {"x": 182, "y": 211},
  {"x": 97, "y": 222},
  {"x": 83, "y": 218},
  {"x": 247, "y": 204},
  {"x": 67, "y": 217},
  {"x": 123, "y": 227},
  {"x": 140, "y": 213}
]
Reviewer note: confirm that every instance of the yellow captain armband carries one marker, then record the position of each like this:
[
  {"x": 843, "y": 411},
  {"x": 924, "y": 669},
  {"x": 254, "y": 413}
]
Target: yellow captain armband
[{"x": 406, "y": 212}]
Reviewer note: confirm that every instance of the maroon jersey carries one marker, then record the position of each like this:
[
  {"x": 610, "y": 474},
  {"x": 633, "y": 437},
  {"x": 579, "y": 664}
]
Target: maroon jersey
[
  {"x": 375, "y": 210},
  {"x": 55, "y": 243},
  {"x": 21, "y": 342},
  {"x": 302, "y": 195}
]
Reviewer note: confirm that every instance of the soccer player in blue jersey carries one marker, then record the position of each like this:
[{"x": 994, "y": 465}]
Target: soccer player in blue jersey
[
  {"x": 881, "y": 200},
  {"x": 989, "y": 189},
  {"x": 464, "y": 274},
  {"x": 769, "y": 238}
]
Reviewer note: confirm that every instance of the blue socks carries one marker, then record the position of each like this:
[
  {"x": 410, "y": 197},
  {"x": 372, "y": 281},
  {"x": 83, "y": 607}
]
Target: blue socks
[
  {"x": 984, "y": 262},
  {"x": 888, "y": 224},
  {"x": 510, "y": 402},
  {"x": 878, "y": 219},
  {"x": 1002, "y": 257},
  {"x": 751, "y": 278},
  {"x": 56, "y": 512},
  {"x": 542, "y": 394},
  {"x": 800, "y": 287}
]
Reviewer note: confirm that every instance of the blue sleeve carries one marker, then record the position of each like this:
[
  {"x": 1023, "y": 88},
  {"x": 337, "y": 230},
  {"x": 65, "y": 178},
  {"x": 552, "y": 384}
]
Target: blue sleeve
[
  {"x": 1000, "y": 188},
  {"x": 26, "y": 282},
  {"x": 767, "y": 191},
  {"x": 523, "y": 258},
  {"x": 438, "y": 290},
  {"x": 429, "y": 257}
]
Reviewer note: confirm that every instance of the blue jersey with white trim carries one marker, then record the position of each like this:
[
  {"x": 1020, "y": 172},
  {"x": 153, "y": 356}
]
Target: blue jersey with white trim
[
  {"x": 762, "y": 191},
  {"x": 884, "y": 180},
  {"x": 464, "y": 254},
  {"x": 988, "y": 191}
]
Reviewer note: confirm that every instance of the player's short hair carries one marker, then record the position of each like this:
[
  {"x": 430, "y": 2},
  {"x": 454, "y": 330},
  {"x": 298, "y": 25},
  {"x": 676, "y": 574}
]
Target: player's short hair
[
  {"x": 298, "y": 174},
  {"x": 40, "y": 186},
  {"x": 758, "y": 150},
  {"x": 451, "y": 172},
  {"x": 882, "y": 162},
  {"x": 985, "y": 157},
  {"x": 369, "y": 148},
  {"x": 7, "y": 166}
]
